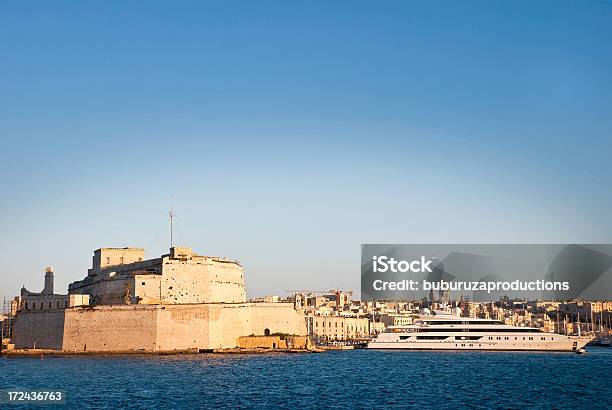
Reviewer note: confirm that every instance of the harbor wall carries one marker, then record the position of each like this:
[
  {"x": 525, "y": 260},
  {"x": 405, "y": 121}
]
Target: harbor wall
[
  {"x": 154, "y": 328},
  {"x": 44, "y": 329},
  {"x": 273, "y": 342},
  {"x": 110, "y": 328},
  {"x": 212, "y": 326}
]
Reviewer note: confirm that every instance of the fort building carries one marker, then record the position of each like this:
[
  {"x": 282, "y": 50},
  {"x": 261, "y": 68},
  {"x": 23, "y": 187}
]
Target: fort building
[
  {"x": 178, "y": 301},
  {"x": 46, "y": 299},
  {"x": 121, "y": 276}
]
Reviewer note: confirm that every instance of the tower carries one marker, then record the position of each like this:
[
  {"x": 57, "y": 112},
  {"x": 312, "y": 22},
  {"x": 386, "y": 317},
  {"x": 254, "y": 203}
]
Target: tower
[{"x": 48, "y": 290}]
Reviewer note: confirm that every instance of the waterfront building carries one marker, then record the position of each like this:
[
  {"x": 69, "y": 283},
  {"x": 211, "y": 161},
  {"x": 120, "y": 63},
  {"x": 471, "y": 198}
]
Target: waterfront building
[
  {"x": 46, "y": 299},
  {"x": 395, "y": 319},
  {"x": 121, "y": 276},
  {"x": 179, "y": 301},
  {"x": 337, "y": 328}
]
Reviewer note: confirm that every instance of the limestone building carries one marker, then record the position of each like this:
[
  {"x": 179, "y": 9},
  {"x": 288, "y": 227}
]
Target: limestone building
[
  {"x": 337, "y": 328},
  {"x": 46, "y": 299},
  {"x": 121, "y": 276},
  {"x": 179, "y": 301}
]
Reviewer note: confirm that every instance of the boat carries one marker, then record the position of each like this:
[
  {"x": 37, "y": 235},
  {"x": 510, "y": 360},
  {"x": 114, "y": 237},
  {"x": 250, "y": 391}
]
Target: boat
[
  {"x": 446, "y": 331},
  {"x": 601, "y": 342}
]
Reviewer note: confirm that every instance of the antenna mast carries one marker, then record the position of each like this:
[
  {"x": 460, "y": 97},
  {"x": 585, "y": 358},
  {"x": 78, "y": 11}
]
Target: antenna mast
[{"x": 171, "y": 214}]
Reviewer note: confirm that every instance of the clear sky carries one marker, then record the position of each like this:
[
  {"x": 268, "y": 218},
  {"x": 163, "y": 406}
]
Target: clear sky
[{"x": 285, "y": 134}]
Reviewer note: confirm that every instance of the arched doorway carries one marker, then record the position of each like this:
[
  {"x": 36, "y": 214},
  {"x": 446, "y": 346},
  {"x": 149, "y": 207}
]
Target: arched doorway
[{"x": 267, "y": 332}]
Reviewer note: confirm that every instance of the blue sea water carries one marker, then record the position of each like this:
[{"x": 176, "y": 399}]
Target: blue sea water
[{"x": 340, "y": 379}]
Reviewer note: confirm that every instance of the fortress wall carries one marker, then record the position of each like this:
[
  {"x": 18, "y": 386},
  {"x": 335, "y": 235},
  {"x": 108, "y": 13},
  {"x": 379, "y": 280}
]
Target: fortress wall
[
  {"x": 110, "y": 328},
  {"x": 183, "y": 327},
  {"x": 233, "y": 321},
  {"x": 148, "y": 288},
  {"x": 109, "y": 291},
  {"x": 202, "y": 282},
  {"x": 43, "y": 330},
  {"x": 201, "y": 326},
  {"x": 278, "y": 317},
  {"x": 150, "y": 328},
  {"x": 214, "y": 326}
]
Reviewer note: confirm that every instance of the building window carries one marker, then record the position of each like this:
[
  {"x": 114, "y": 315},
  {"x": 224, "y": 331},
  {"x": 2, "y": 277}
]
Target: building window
[
  {"x": 143, "y": 283},
  {"x": 121, "y": 260},
  {"x": 49, "y": 305},
  {"x": 108, "y": 260}
]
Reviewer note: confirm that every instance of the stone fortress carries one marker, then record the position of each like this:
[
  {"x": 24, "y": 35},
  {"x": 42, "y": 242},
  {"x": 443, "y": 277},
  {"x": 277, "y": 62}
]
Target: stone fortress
[
  {"x": 122, "y": 276},
  {"x": 179, "y": 301}
]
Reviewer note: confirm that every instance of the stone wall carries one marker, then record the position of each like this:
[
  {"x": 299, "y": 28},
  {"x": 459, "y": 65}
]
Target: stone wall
[
  {"x": 198, "y": 279},
  {"x": 151, "y": 328},
  {"x": 261, "y": 342},
  {"x": 276, "y": 318},
  {"x": 44, "y": 329},
  {"x": 273, "y": 342},
  {"x": 147, "y": 289},
  {"x": 110, "y": 328},
  {"x": 202, "y": 280},
  {"x": 108, "y": 291},
  {"x": 210, "y": 326},
  {"x": 107, "y": 257},
  {"x": 43, "y": 302}
]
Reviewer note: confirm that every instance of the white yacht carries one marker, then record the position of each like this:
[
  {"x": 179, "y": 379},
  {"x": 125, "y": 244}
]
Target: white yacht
[{"x": 445, "y": 331}]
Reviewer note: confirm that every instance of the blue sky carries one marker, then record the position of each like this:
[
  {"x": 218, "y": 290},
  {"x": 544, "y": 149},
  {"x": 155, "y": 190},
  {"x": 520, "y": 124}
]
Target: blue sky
[{"x": 285, "y": 134}]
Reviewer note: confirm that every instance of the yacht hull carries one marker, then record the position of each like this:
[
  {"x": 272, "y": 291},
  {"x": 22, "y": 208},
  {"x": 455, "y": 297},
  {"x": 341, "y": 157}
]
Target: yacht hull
[{"x": 563, "y": 344}]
